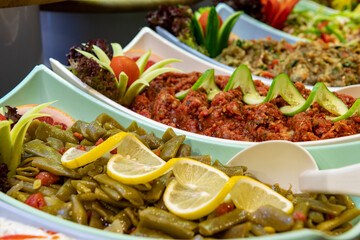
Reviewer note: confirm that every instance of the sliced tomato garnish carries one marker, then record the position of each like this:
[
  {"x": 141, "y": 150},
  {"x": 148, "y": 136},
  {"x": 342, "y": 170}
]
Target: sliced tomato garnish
[
  {"x": 47, "y": 178},
  {"x": 128, "y": 66},
  {"x": 36, "y": 200}
]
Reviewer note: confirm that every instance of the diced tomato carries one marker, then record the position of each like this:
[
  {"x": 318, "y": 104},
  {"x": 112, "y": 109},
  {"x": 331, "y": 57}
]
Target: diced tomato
[
  {"x": 128, "y": 66},
  {"x": 36, "y": 200},
  {"x": 78, "y": 136},
  {"x": 299, "y": 216},
  {"x": 47, "y": 178},
  {"x": 322, "y": 25},
  {"x": 224, "y": 208},
  {"x": 2, "y": 118},
  {"x": 81, "y": 147},
  {"x": 203, "y": 20},
  {"x": 273, "y": 63},
  {"x": 289, "y": 46},
  {"x": 51, "y": 232},
  {"x": 157, "y": 152},
  {"x": 99, "y": 141},
  {"x": 114, "y": 151},
  {"x": 268, "y": 37},
  {"x": 62, "y": 150},
  {"x": 326, "y": 37},
  {"x": 267, "y": 74}
]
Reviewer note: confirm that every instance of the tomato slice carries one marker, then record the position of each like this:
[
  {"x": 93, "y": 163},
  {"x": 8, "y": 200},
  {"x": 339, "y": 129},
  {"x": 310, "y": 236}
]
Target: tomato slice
[
  {"x": 203, "y": 20},
  {"x": 36, "y": 200},
  {"x": 127, "y": 65},
  {"x": 47, "y": 178},
  {"x": 2, "y": 118}
]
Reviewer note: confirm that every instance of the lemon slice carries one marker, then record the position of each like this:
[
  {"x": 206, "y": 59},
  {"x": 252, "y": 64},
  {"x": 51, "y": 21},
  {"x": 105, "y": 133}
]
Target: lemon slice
[
  {"x": 197, "y": 190},
  {"x": 250, "y": 194},
  {"x": 74, "y": 158},
  {"x": 135, "y": 163}
]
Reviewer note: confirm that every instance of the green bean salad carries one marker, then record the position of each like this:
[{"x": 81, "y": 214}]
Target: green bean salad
[{"x": 88, "y": 196}]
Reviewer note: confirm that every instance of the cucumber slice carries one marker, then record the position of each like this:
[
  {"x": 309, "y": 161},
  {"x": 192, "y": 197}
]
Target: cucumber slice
[
  {"x": 242, "y": 78},
  {"x": 355, "y": 108},
  {"x": 329, "y": 101},
  {"x": 207, "y": 81}
]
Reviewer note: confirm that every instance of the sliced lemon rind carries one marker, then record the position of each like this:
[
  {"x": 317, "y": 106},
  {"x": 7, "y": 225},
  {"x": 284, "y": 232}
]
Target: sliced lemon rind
[
  {"x": 140, "y": 179},
  {"x": 94, "y": 153}
]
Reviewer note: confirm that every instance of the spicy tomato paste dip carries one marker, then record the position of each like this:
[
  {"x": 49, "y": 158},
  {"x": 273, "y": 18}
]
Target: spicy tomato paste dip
[{"x": 228, "y": 117}]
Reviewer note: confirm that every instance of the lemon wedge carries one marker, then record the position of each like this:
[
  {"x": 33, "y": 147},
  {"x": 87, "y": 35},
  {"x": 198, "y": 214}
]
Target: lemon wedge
[
  {"x": 197, "y": 189},
  {"x": 135, "y": 163},
  {"x": 250, "y": 194},
  {"x": 74, "y": 158}
]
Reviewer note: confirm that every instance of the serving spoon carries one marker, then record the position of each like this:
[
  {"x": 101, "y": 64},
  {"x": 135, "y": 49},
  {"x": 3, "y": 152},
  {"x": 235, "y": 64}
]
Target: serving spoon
[{"x": 289, "y": 164}]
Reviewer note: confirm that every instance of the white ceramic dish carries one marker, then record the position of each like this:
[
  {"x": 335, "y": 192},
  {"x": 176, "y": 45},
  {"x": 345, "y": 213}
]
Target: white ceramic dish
[
  {"x": 147, "y": 39},
  {"x": 247, "y": 27}
]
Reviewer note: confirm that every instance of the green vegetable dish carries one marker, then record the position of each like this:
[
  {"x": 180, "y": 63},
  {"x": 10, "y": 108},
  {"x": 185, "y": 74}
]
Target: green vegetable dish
[
  {"x": 334, "y": 29},
  {"x": 88, "y": 195}
]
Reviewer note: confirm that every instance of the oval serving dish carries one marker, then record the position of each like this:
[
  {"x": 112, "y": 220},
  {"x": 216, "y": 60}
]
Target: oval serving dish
[
  {"x": 142, "y": 41},
  {"x": 42, "y": 85}
]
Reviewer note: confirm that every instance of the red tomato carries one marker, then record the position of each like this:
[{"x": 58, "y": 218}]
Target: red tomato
[
  {"x": 204, "y": 18},
  {"x": 36, "y": 200},
  {"x": 299, "y": 216},
  {"x": 81, "y": 147},
  {"x": 100, "y": 141},
  {"x": 289, "y": 46},
  {"x": 2, "y": 118},
  {"x": 326, "y": 37},
  {"x": 127, "y": 65},
  {"x": 47, "y": 178},
  {"x": 267, "y": 74},
  {"x": 224, "y": 208},
  {"x": 322, "y": 25}
]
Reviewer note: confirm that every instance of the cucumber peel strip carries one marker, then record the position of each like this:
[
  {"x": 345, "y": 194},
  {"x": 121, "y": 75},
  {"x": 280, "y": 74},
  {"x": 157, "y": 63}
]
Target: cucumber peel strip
[
  {"x": 141, "y": 62},
  {"x": 211, "y": 36},
  {"x": 281, "y": 85},
  {"x": 12, "y": 140},
  {"x": 214, "y": 39},
  {"x": 138, "y": 86},
  {"x": 225, "y": 30},
  {"x": 117, "y": 50}
]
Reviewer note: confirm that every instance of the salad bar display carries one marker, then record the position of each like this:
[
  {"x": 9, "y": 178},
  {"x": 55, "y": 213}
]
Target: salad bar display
[{"x": 146, "y": 142}]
